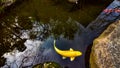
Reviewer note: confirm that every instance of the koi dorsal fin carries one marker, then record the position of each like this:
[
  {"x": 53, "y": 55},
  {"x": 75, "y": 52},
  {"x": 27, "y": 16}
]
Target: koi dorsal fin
[{"x": 71, "y": 49}]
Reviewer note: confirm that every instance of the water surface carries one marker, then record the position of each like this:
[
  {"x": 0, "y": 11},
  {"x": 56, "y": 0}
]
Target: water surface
[{"x": 52, "y": 19}]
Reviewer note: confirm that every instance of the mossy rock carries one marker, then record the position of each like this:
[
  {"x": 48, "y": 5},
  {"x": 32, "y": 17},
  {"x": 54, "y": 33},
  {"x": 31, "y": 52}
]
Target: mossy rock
[{"x": 47, "y": 65}]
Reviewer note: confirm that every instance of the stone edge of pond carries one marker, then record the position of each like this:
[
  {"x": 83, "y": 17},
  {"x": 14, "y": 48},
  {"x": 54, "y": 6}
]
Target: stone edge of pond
[
  {"x": 97, "y": 32},
  {"x": 105, "y": 49}
]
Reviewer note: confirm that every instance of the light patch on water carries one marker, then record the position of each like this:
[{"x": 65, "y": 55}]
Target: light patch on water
[
  {"x": 47, "y": 51},
  {"x": 25, "y": 34},
  {"x": 17, "y": 59},
  {"x": 37, "y": 30}
]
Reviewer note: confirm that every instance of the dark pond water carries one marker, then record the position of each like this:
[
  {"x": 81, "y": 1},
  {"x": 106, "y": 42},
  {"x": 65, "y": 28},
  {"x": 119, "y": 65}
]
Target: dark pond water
[
  {"x": 54, "y": 19},
  {"x": 44, "y": 10}
]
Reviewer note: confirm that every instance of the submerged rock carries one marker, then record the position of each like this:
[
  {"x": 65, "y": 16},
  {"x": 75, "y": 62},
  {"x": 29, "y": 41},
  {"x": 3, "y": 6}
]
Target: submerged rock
[
  {"x": 106, "y": 48},
  {"x": 47, "y": 65}
]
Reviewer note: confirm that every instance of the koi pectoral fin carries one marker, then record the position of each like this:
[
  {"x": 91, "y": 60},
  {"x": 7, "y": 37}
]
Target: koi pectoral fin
[
  {"x": 63, "y": 57},
  {"x": 72, "y": 58}
]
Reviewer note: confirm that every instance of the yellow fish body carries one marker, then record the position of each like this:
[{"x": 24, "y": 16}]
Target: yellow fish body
[{"x": 67, "y": 53}]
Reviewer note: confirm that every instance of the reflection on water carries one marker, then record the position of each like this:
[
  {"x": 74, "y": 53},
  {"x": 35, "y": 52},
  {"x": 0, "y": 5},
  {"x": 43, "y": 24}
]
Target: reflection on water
[
  {"x": 35, "y": 30},
  {"x": 44, "y": 10}
]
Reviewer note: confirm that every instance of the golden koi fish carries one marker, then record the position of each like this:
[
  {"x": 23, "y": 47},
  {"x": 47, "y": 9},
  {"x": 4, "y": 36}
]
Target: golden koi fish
[{"x": 67, "y": 53}]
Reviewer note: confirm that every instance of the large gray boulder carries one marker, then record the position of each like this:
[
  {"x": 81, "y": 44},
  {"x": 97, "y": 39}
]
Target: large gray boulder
[{"x": 106, "y": 48}]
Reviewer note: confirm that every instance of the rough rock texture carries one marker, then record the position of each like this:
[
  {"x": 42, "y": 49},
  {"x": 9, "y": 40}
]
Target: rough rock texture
[
  {"x": 95, "y": 28},
  {"x": 106, "y": 48}
]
